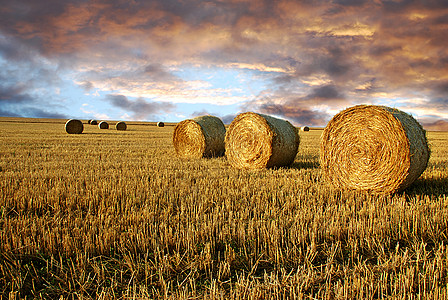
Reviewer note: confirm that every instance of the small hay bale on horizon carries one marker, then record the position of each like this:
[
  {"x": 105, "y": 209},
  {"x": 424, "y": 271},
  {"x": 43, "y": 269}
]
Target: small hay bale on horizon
[
  {"x": 199, "y": 137},
  {"x": 74, "y": 126},
  {"x": 373, "y": 148},
  {"x": 93, "y": 122},
  {"x": 304, "y": 128},
  {"x": 257, "y": 141},
  {"x": 103, "y": 125},
  {"x": 121, "y": 125},
  {"x": 160, "y": 124}
]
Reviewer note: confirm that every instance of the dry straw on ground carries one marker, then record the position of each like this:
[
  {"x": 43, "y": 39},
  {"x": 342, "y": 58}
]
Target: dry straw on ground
[
  {"x": 160, "y": 124},
  {"x": 73, "y": 126},
  {"x": 304, "y": 128},
  {"x": 199, "y": 137},
  {"x": 373, "y": 148},
  {"x": 93, "y": 122},
  {"x": 256, "y": 141},
  {"x": 121, "y": 125},
  {"x": 103, "y": 125}
]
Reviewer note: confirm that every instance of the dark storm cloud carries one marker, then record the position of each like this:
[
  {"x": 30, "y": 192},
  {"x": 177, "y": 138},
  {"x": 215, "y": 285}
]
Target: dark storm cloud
[
  {"x": 139, "y": 107},
  {"x": 295, "y": 114},
  {"x": 328, "y": 92},
  {"x": 157, "y": 72},
  {"x": 14, "y": 95}
]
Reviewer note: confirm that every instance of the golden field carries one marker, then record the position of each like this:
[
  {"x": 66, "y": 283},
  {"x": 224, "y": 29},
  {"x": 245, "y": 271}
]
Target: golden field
[{"x": 117, "y": 215}]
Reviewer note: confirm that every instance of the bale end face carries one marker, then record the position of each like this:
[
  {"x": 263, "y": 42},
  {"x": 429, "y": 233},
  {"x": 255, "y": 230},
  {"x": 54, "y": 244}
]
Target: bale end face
[
  {"x": 121, "y": 126},
  {"x": 74, "y": 126},
  {"x": 93, "y": 122},
  {"x": 373, "y": 148},
  {"x": 103, "y": 125},
  {"x": 256, "y": 141},
  {"x": 160, "y": 124}
]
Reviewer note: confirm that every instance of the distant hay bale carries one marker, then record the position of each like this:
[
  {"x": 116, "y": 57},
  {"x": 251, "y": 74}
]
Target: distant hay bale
[
  {"x": 103, "y": 125},
  {"x": 88, "y": 122},
  {"x": 121, "y": 126},
  {"x": 256, "y": 141},
  {"x": 73, "y": 126},
  {"x": 199, "y": 137},
  {"x": 373, "y": 148},
  {"x": 304, "y": 128},
  {"x": 93, "y": 122},
  {"x": 160, "y": 124}
]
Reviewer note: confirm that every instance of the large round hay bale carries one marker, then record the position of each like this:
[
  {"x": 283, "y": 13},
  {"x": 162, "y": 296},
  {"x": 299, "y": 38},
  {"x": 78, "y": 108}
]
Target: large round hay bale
[
  {"x": 304, "y": 128},
  {"x": 74, "y": 126},
  {"x": 93, "y": 122},
  {"x": 256, "y": 141},
  {"x": 160, "y": 124},
  {"x": 121, "y": 125},
  {"x": 373, "y": 148},
  {"x": 199, "y": 137},
  {"x": 103, "y": 125}
]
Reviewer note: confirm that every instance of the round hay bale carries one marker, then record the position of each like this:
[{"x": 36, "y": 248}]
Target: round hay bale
[
  {"x": 121, "y": 125},
  {"x": 74, "y": 126},
  {"x": 373, "y": 148},
  {"x": 304, "y": 128},
  {"x": 199, "y": 137},
  {"x": 88, "y": 122},
  {"x": 103, "y": 125},
  {"x": 93, "y": 122},
  {"x": 256, "y": 141},
  {"x": 160, "y": 124}
]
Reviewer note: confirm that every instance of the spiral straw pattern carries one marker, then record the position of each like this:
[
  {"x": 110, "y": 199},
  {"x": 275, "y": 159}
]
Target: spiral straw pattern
[
  {"x": 121, "y": 126},
  {"x": 256, "y": 141},
  {"x": 373, "y": 148},
  {"x": 199, "y": 137},
  {"x": 74, "y": 126},
  {"x": 103, "y": 125}
]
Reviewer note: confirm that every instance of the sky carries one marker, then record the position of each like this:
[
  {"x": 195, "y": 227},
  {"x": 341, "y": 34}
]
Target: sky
[{"x": 170, "y": 60}]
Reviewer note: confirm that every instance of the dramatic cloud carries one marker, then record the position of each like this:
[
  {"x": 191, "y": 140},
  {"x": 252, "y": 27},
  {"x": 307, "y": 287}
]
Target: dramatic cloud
[
  {"x": 301, "y": 60},
  {"x": 139, "y": 107}
]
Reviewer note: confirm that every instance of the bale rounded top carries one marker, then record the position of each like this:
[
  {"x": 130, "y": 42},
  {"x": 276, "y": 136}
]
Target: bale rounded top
[
  {"x": 93, "y": 122},
  {"x": 160, "y": 124},
  {"x": 374, "y": 148},
  {"x": 256, "y": 141},
  {"x": 103, "y": 125},
  {"x": 199, "y": 137},
  {"x": 121, "y": 125},
  {"x": 74, "y": 126}
]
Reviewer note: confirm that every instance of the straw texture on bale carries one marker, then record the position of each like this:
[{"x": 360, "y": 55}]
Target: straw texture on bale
[
  {"x": 103, "y": 125},
  {"x": 74, "y": 126},
  {"x": 199, "y": 137},
  {"x": 160, "y": 124},
  {"x": 304, "y": 128},
  {"x": 121, "y": 125},
  {"x": 256, "y": 141},
  {"x": 373, "y": 148},
  {"x": 93, "y": 122}
]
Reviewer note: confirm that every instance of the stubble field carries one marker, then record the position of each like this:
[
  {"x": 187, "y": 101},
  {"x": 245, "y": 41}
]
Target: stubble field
[{"x": 116, "y": 215}]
